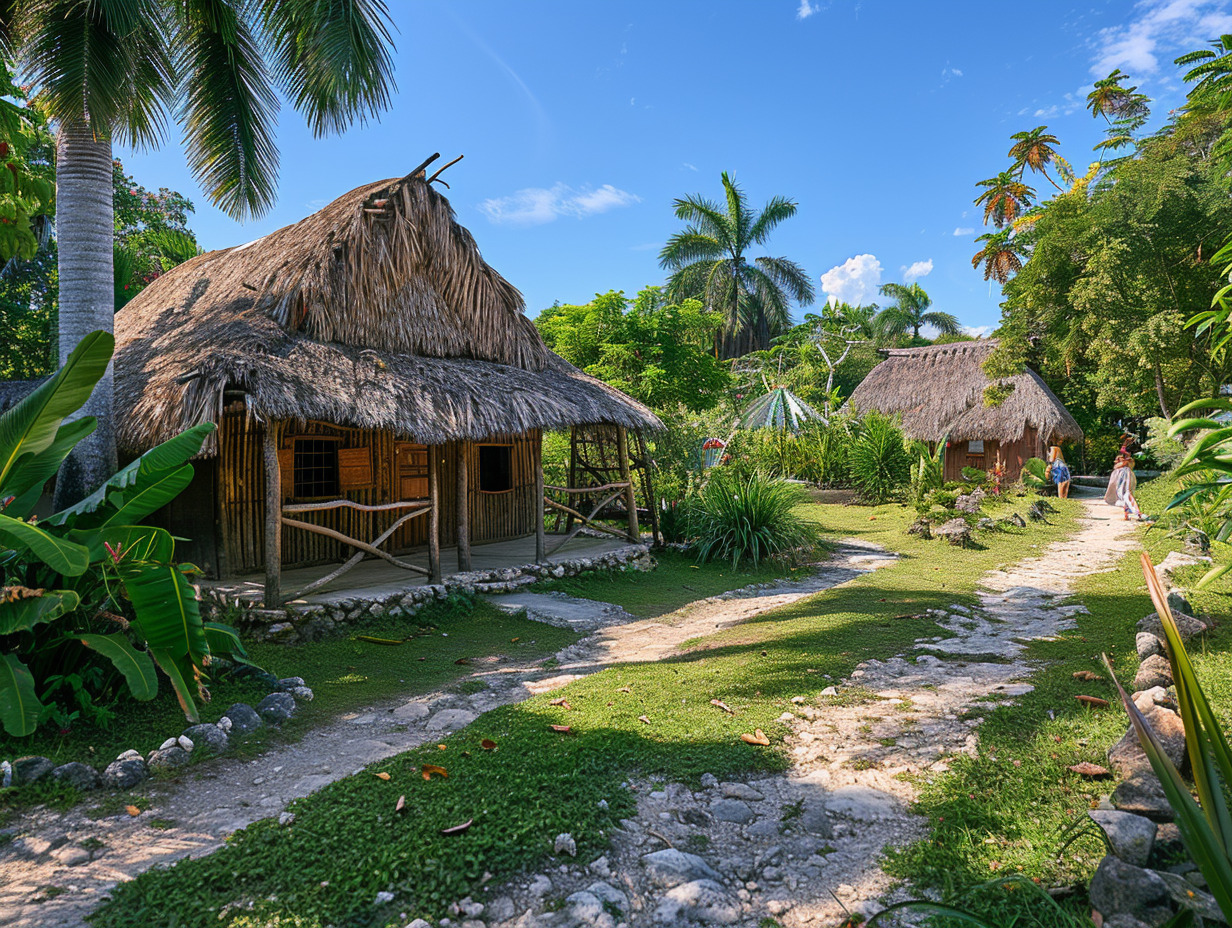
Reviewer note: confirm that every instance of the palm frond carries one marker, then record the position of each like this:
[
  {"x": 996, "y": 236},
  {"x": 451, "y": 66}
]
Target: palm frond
[
  {"x": 945, "y": 323},
  {"x": 706, "y": 215},
  {"x": 689, "y": 246},
  {"x": 774, "y": 212},
  {"x": 789, "y": 276},
  {"x": 737, "y": 212}
]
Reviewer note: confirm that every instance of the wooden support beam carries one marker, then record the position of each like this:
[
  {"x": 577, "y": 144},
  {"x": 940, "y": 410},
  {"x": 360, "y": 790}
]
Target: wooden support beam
[
  {"x": 273, "y": 516},
  {"x": 622, "y": 453},
  {"x": 464, "y": 506},
  {"x": 356, "y": 543},
  {"x": 540, "y": 528},
  {"x": 434, "y": 515}
]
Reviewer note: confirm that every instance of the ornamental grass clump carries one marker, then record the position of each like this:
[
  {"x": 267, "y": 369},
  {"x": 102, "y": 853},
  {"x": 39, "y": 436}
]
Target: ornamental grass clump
[
  {"x": 879, "y": 461},
  {"x": 749, "y": 517}
]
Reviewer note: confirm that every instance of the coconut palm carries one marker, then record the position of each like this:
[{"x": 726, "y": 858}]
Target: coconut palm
[
  {"x": 910, "y": 312},
  {"x": 1035, "y": 149},
  {"x": 708, "y": 262},
  {"x": 1005, "y": 198},
  {"x": 1001, "y": 255},
  {"x": 116, "y": 70}
]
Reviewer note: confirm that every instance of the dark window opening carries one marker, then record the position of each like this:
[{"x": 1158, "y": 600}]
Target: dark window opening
[
  {"x": 316, "y": 468},
  {"x": 495, "y": 468}
]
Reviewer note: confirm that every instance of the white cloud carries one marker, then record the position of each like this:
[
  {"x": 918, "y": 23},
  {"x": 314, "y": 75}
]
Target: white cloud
[
  {"x": 1158, "y": 28},
  {"x": 917, "y": 269},
  {"x": 977, "y": 331},
  {"x": 854, "y": 281},
  {"x": 691, "y": 167},
  {"x": 534, "y": 206},
  {"x": 963, "y": 230},
  {"x": 806, "y": 9}
]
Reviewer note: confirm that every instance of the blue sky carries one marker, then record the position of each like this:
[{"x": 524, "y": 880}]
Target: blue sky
[{"x": 581, "y": 122}]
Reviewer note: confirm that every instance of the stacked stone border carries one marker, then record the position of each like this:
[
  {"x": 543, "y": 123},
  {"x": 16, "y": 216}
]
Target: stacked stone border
[{"x": 299, "y": 621}]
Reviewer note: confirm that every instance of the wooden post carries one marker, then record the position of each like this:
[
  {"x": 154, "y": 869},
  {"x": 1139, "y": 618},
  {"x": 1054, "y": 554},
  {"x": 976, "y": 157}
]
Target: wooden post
[
  {"x": 273, "y": 517},
  {"x": 541, "y": 540},
  {"x": 464, "y": 509},
  {"x": 622, "y": 452},
  {"x": 434, "y": 516}
]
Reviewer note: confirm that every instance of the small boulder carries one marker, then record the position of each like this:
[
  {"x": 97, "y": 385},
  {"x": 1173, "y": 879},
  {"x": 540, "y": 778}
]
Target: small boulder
[
  {"x": 276, "y": 708},
  {"x": 1143, "y": 794},
  {"x": 732, "y": 810},
  {"x": 302, "y": 693},
  {"x": 287, "y": 684},
  {"x": 1188, "y": 896},
  {"x": 126, "y": 773},
  {"x": 741, "y": 791},
  {"x": 1187, "y": 625},
  {"x": 670, "y": 867},
  {"x": 1130, "y": 837},
  {"x": 565, "y": 844},
  {"x": 1147, "y": 645},
  {"x": 450, "y": 720},
  {"x": 1154, "y": 671},
  {"x": 207, "y": 739},
  {"x": 77, "y": 775},
  {"x": 921, "y": 527},
  {"x": 168, "y": 758},
  {"x": 1177, "y": 560},
  {"x": 244, "y": 719},
  {"x": 704, "y": 901},
  {"x": 1119, "y": 888},
  {"x": 956, "y": 532},
  {"x": 1178, "y": 602},
  {"x": 31, "y": 769}
]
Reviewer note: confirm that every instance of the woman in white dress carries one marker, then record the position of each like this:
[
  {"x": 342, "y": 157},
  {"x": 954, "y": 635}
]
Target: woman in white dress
[{"x": 1121, "y": 486}]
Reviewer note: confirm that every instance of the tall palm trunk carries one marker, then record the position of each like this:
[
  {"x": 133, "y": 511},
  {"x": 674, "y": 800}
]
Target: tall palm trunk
[{"x": 85, "y": 232}]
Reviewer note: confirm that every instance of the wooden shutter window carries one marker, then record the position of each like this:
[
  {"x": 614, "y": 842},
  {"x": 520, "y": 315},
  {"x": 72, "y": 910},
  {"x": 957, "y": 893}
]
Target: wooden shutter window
[
  {"x": 354, "y": 469},
  {"x": 286, "y": 468}
]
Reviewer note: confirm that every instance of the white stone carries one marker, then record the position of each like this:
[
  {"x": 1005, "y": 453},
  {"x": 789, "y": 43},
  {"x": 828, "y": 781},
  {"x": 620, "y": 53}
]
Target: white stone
[
  {"x": 185, "y": 742},
  {"x": 565, "y": 844}
]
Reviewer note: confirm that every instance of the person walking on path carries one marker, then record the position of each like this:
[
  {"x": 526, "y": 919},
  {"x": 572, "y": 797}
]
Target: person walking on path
[
  {"x": 1059, "y": 471},
  {"x": 1121, "y": 486}
]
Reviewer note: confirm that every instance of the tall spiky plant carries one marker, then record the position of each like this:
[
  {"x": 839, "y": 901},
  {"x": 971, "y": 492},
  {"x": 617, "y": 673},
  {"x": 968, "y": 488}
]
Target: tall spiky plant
[
  {"x": 119, "y": 70},
  {"x": 708, "y": 261}
]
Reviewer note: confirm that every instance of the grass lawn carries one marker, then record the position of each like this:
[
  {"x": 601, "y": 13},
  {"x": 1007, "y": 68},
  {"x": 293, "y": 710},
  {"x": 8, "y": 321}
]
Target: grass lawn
[
  {"x": 1005, "y": 811},
  {"x": 677, "y": 581},
  {"x": 343, "y": 674},
  {"x": 347, "y": 843}
]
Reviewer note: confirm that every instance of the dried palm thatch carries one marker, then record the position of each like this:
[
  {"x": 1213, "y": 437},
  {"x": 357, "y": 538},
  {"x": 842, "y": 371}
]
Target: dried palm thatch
[
  {"x": 376, "y": 312},
  {"x": 939, "y": 390}
]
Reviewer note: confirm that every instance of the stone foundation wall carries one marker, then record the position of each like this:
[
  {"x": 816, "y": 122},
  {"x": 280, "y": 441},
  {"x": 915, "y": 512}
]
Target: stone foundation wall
[{"x": 300, "y": 621}]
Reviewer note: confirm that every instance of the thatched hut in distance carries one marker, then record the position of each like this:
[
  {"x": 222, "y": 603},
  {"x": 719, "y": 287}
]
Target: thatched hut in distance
[
  {"x": 939, "y": 392},
  {"x": 376, "y": 386}
]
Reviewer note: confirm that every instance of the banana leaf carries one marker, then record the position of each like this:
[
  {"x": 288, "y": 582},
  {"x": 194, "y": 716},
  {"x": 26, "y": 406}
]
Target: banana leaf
[
  {"x": 61, "y": 555},
  {"x": 224, "y": 641},
  {"x": 32, "y": 471},
  {"x": 179, "y": 671},
  {"x": 168, "y": 615},
  {"x": 21, "y": 615},
  {"x": 136, "y": 666},
  {"x": 20, "y": 708},
  {"x": 32, "y": 425},
  {"x": 131, "y": 544}
]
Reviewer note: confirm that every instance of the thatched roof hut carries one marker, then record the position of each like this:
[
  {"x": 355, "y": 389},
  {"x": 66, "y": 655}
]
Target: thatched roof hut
[
  {"x": 938, "y": 390},
  {"x": 375, "y": 312}
]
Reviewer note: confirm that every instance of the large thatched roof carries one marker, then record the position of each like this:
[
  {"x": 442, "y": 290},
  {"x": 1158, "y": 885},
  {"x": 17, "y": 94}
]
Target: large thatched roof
[
  {"x": 939, "y": 390},
  {"x": 378, "y": 311}
]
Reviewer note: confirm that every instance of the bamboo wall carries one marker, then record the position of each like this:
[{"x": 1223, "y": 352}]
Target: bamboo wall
[
  {"x": 241, "y": 493},
  {"x": 1013, "y": 455}
]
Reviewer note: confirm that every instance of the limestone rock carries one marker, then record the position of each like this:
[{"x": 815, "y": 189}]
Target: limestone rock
[
  {"x": 921, "y": 527},
  {"x": 244, "y": 719},
  {"x": 606, "y": 893},
  {"x": 732, "y": 810},
  {"x": 862, "y": 803},
  {"x": 1119, "y": 888},
  {"x": 276, "y": 708},
  {"x": 168, "y": 758},
  {"x": 1154, "y": 671},
  {"x": 956, "y": 532},
  {"x": 1142, "y": 794},
  {"x": 1131, "y": 837},
  {"x": 31, "y": 769},
  {"x": 287, "y": 684},
  {"x": 207, "y": 739},
  {"x": 71, "y": 855},
  {"x": 412, "y": 712},
  {"x": 565, "y": 844},
  {"x": 1187, "y": 625},
  {"x": 77, "y": 775},
  {"x": 450, "y": 720},
  {"x": 1178, "y": 602},
  {"x": 1147, "y": 645},
  {"x": 741, "y": 791},
  {"x": 1176, "y": 560},
  {"x": 1127, "y": 756},
  {"x": 704, "y": 901},
  {"x": 670, "y": 867},
  {"x": 125, "y": 774}
]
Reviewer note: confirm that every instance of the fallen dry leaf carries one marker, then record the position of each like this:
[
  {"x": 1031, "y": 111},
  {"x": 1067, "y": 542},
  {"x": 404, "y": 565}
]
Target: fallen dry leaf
[
  {"x": 560, "y": 728},
  {"x": 758, "y": 737},
  {"x": 1088, "y": 769},
  {"x": 642, "y": 718},
  {"x": 442, "y": 747},
  {"x": 458, "y": 829},
  {"x": 1093, "y": 701},
  {"x": 488, "y": 744},
  {"x": 463, "y": 661},
  {"x": 562, "y": 702},
  {"x": 400, "y": 804},
  {"x": 994, "y": 865},
  {"x": 625, "y": 689},
  {"x": 132, "y": 810},
  {"x": 512, "y": 640},
  {"x": 382, "y": 775},
  {"x": 720, "y": 704},
  {"x": 430, "y": 769},
  {"x": 1087, "y": 675}
]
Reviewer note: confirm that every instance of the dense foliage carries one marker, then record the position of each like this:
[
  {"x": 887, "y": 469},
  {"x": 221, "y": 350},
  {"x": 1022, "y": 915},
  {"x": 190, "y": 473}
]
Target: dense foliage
[{"x": 741, "y": 515}]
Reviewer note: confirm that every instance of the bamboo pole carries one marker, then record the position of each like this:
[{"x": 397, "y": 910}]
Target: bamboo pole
[
  {"x": 434, "y": 516},
  {"x": 273, "y": 517},
  {"x": 622, "y": 453},
  {"x": 464, "y": 508},
  {"x": 353, "y": 542},
  {"x": 540, "y": 512}
]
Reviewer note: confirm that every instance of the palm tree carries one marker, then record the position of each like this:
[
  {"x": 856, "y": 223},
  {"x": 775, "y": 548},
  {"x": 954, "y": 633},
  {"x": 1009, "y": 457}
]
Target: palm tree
[
  {"x": 113, "y": 70},
  {"x": 1035, "y": 149},
  {"x": 1001, "y": 255},
  {"x": 1005, "y": 198},
  {"x": 708, "y": 262},
  {"x": 910, "y": 312}
]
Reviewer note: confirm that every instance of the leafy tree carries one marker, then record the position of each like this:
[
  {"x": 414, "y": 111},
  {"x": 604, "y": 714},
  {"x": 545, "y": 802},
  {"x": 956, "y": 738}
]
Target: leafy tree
[
  {"x": 108, "y": 71},
  {"x": 910, "y": 312},
  {"x": 655, "y": 351},
  {"x": 708, "y": 261},
  {"x": 25, "y": 174}
]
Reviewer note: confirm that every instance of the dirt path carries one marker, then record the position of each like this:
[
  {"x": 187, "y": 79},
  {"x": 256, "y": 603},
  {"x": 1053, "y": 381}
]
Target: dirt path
[
  {"x": 805, "y": 848},
  {"x": 82, "y": 858}
]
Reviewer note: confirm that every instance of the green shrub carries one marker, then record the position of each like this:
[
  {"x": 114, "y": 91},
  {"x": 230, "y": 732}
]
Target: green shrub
[
  {"x": 748, "y": 516},
  {"x": 1033, "y": 472},
  {"x": 880, "y": 463},
  {"x": 1165, "y": 450},
  {"x": 944, "y": 499},
  {"x": 975, "y": 475},
  {"x": 927, "y": 473}
]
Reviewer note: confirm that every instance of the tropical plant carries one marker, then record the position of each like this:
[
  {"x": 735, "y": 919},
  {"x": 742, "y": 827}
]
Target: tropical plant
[
  {"x": 1033, "y": 475},
  {"x": 1165, "y": 450},
  {"x": 1205, "y": 471},
  {"x": 879, "y": 461},
  {"x": 910, "y": 312},
  {"x": 928, "y": 469},
  {"x": 748, "y": 516},
  {"x": 1005, "y": 198},
  {"x": 1205, "y": 825},
  {"x": 90, "y": 581},
  {"x": 108, "y": 71},
  {"x": 1001, "y": 255},
  {"x": 708, "y": 261},
  {"x": 25, "y": 187},
  {"x": 1036, "y": 149},
  {"x": 1210, "y": 72}
]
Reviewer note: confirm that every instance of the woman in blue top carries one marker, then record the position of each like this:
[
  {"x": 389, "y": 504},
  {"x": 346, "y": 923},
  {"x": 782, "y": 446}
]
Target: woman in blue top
[{"x": 1060, "y": 471}]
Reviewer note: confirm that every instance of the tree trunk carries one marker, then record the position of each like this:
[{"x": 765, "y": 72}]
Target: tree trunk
[
  {"x": 85, "y": 232},
  {"x": 1159, "y": 391}
]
